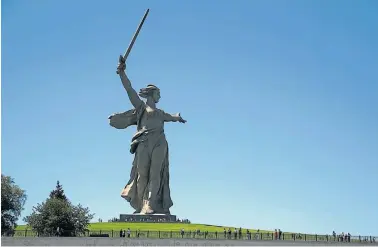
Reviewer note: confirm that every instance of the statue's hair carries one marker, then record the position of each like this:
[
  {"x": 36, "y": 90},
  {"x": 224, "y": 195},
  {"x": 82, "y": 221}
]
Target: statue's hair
[{"x": 147, "y": 91}]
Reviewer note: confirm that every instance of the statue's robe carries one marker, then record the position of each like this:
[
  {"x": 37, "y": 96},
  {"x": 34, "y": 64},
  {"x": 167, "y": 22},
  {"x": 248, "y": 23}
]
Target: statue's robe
[{"x": 122, "y": 121}]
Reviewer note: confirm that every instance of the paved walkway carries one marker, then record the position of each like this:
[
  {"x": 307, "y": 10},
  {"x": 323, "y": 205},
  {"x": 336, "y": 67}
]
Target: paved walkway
[{"x": 85, "y": 241}]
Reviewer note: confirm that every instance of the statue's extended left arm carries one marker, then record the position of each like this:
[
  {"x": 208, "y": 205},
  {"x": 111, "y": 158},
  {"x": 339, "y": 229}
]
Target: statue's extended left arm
[{"x": 173, "y": 118}]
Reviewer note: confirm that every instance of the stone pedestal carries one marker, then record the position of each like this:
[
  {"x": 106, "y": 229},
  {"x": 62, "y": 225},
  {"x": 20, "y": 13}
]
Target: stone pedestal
[{"x": 147, "y": 218}]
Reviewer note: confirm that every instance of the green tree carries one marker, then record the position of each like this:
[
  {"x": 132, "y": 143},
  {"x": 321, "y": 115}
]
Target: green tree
[
  {"x": 57, "y": 212},
  {"x": 58, "y": 192},
  {"x": 13, "y": 199}
]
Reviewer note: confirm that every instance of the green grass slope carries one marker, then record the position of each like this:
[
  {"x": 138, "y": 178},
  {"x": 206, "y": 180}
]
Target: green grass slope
[
  {"x": 105, "y": 226},
  {"x": 171, "y": 230}
]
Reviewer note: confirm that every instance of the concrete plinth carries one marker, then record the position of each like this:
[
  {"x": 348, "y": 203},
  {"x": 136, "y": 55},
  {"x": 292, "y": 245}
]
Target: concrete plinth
[{"x": 147, "y": 218}]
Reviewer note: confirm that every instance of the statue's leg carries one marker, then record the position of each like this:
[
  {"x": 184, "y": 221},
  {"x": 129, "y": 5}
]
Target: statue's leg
[
  {"x": 143, "y": 169},
  {"x": 157, "y": 160}
]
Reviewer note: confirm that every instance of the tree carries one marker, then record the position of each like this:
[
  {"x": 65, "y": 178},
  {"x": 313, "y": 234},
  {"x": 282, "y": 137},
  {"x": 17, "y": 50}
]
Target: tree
[
  {"x": 57, "y": 212},
  {"x": 13, "y": 199},
  {"x": 58, "y": 192}
]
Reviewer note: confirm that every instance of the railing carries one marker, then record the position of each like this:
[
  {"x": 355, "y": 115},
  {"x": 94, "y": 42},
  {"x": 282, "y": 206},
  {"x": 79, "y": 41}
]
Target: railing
[{"x": 203, "y": 235}]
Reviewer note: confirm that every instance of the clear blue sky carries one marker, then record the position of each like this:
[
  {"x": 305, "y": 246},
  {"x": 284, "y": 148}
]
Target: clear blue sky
[{"x": 281, "y": 99}]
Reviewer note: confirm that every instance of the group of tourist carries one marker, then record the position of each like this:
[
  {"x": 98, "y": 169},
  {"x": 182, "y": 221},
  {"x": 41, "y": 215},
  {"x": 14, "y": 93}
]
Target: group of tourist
[
  {"x": 239, "y": 234},
  {"x": 236, "y": 233},
  {"x": 122, "y": 233},
  {"x": 277, "y": 234},
  {"x": 342, "y": 237}
]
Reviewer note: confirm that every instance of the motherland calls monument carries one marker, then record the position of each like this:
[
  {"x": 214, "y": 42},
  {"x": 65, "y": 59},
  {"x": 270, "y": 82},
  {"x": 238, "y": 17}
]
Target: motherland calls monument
[{"x": 147, "y": 190}]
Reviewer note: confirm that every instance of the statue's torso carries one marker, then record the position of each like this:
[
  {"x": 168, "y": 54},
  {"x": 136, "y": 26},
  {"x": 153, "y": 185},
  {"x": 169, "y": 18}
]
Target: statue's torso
[{"x": 152, "y": 119}]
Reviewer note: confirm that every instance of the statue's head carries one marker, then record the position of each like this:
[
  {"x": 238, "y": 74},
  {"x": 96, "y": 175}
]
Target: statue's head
[{"x": 150, "y": 91}]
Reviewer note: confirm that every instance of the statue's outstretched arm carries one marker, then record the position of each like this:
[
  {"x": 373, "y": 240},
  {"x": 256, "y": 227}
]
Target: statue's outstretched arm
[
  {"x": 133, "y": 96},
  {"x": 173, "y": 117}
]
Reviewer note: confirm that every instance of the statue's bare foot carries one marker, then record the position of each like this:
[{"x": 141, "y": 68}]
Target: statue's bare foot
[
  {"x": 146, "y": 208},
  {"x": 150, "y": 211}
]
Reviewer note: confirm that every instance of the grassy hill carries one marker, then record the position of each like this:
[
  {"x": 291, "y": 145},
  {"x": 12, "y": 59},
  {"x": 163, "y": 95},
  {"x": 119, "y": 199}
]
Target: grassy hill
[
  {"x": 168, "y": 228},
  {"x": 105, "y": 226},
  {"x": 171, "y": 230}
]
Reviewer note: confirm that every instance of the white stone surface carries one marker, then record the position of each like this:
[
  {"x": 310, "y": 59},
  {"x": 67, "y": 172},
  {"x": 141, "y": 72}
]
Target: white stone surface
[{"x": 148, "y": 189}]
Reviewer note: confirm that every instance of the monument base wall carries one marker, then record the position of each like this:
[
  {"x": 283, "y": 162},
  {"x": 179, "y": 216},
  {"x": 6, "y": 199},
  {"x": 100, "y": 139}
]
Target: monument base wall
[{"x": 147, "y": 218}]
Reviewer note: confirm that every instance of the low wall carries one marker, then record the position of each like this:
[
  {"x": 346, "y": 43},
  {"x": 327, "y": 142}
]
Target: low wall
[{"x": 86, "y": 241}]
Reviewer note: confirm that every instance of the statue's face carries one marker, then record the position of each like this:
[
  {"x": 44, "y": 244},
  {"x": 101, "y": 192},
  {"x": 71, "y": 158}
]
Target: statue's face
[{"x": 156, "y": 96}]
